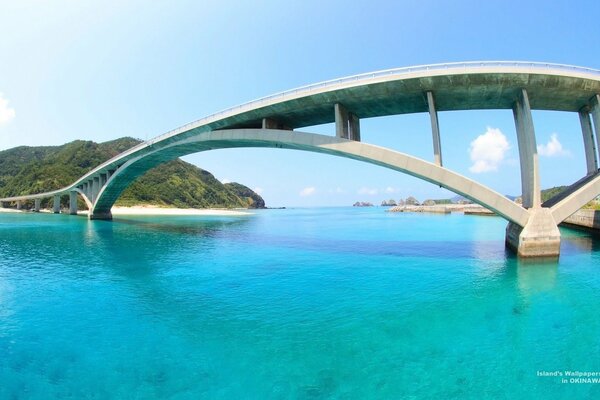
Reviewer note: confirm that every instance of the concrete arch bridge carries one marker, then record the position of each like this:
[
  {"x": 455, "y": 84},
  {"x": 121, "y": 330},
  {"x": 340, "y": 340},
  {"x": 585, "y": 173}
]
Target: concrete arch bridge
[{"x": 276, "y": 121}]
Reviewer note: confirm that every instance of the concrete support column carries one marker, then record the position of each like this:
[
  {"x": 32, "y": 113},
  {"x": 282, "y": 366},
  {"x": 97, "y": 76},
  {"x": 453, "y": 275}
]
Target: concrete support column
[
  {"x": 353, "y": 127},
  {"x": 341, "y": 121},
  {"x": 595, "y": 111},
  {"x": 539, "y": 238},
  {"x": 103, "y": 216},
  {"x": 95, "y": 188},
  {"x": 103, "y": 179},
  {"x": 19, "y": 204},
  {"x": 591, "y": 157},
  {"x": 37, "y": 204},
  {"x": 73, "y": 203},
  {"x": 435, "y": 130},
  {"x": 347, "y": 124},
  {"x": 269, "y": 123},
  {"x": 56, "y": 206},
  {"x": 530, "y": 177}
]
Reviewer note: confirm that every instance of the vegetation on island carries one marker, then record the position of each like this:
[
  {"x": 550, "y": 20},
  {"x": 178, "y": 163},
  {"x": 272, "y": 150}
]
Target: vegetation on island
[{"x": 27, "y": 170}]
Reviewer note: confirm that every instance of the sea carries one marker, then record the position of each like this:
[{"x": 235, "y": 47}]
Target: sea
[{"x": 307, "y": 303}]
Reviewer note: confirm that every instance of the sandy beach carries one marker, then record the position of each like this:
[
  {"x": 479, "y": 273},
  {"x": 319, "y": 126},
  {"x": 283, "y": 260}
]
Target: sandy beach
[
  {"x": 8, "y": 210},
  {"x": 152, "y": 210}
]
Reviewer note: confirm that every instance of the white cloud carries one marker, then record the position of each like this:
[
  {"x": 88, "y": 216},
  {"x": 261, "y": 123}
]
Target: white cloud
[
  {"x": 552, "y": 148},
  {"x": 488, "y": 150},
  {"x": 308, "y": 191},
  {"x": 390, "y": 189},
  {"x": 258, "y": 190},
  {"x": 224, "y": 181},
  {"x": 337, "y": 190},
  {"x": 368, "y": 191},
  {"x": 6, "y": 113}
]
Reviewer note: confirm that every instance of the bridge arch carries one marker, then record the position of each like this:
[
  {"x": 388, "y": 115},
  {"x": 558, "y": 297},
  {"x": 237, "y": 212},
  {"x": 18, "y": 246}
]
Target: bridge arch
[{"x": 274, "y": 138}]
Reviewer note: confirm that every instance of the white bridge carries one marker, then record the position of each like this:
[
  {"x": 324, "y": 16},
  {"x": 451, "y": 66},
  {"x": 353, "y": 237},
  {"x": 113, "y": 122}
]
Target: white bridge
[{"x": 274, "y": 122}]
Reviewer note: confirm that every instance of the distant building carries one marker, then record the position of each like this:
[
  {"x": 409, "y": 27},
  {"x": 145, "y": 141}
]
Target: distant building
[{"x": 429, "y": 202}]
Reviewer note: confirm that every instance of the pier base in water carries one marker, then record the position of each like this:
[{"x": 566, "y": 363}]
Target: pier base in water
[
  {"x": 539, "y": 238},
  {"x": 105, "y": 216}
]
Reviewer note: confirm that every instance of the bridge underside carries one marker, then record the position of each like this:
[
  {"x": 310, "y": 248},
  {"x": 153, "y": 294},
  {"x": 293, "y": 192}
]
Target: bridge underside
[{"x": 308, "y": 142}]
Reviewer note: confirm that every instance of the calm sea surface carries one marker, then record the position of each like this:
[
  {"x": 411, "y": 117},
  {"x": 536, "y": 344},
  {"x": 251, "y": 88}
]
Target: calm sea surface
[{"x": 337, "y": 303}]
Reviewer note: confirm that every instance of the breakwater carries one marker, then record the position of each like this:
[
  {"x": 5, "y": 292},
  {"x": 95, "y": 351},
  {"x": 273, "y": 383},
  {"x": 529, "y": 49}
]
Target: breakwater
[{"x": 587, "y": 219}]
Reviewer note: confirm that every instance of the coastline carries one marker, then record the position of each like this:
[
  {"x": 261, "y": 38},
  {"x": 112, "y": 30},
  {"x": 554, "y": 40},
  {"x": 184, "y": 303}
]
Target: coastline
[
  {"x": 467, "y": 209},
  {"x": 153, "y": 210}
]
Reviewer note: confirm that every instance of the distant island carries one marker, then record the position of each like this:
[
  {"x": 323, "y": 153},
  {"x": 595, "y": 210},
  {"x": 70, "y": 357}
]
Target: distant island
[
  {"x": 26, "y": 170},
  {"x": 460, "y": 200},
  {"x": 362, "y": 204}
]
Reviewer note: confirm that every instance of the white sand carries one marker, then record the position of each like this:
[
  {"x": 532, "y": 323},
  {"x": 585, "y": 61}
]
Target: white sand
[
  {"x": 152, "y": 210},
  {"x": 8, "y": 210}
]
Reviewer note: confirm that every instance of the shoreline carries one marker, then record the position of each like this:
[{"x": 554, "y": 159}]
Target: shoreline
[
  {"x": 153, "y": 210},
  {"x": 467, "y": 209}
]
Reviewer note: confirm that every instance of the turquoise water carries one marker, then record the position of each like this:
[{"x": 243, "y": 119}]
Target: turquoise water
[{"x": 338, "y": 303}]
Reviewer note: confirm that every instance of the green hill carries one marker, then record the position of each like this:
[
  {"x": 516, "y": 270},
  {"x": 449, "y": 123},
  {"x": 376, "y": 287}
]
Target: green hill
[
  {"x": 26, "y": 170},
  {"x": 253, "y": 199}
]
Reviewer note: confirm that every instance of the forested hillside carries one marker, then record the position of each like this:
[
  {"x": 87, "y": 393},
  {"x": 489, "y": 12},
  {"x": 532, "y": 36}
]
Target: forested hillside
[{"x": 26, "y": 170}]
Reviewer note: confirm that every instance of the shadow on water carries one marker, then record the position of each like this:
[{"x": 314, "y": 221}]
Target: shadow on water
[
  {"x": 182, "y": 225},
  {"x": 578, "y": 240},
  {"x": 147, "y": 245}
]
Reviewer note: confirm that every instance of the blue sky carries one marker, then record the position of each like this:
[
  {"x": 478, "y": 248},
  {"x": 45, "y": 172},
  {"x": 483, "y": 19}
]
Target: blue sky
[{"x": 102, "y": 70}]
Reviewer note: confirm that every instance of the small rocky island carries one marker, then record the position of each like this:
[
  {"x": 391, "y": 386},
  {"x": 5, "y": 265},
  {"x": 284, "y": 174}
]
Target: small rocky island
[{"x": 362, "y": 204}]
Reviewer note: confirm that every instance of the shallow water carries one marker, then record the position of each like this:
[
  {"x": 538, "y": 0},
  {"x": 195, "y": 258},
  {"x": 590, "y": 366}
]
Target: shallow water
[{"x": 337, "y": 303}]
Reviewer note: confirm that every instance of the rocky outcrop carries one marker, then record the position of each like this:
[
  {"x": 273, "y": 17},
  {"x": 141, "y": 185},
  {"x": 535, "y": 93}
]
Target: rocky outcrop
[
  {"x": 389, "y": 203},
  {"x": 253, "y": 199}
]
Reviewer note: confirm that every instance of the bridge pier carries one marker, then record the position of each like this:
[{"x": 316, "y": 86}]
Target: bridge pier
[
  {"x": 107, "y": 216},
  {"x": 95, "y": 188},
  {"x": 267, "y": 123},
  {"x": 56, "y": 205},
  {"x": 539, "y": 238},
  {"x": 595, "y": 111},
  {"x": 73, "y": 203},
  {"x": 435, "y": 130},
  {"x": 347, "y": 124},
  {"x": 19, "y": 204},
  {"x": 530, "y": 177},
  {"x": 37, "y": 203},
  {"x": 588, "y": 141}
]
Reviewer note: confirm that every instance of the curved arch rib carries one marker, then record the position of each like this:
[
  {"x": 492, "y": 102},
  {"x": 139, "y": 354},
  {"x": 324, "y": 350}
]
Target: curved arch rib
[
  {"x": 574, "y": 201},
  {"x": 387, "y": 158}
]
